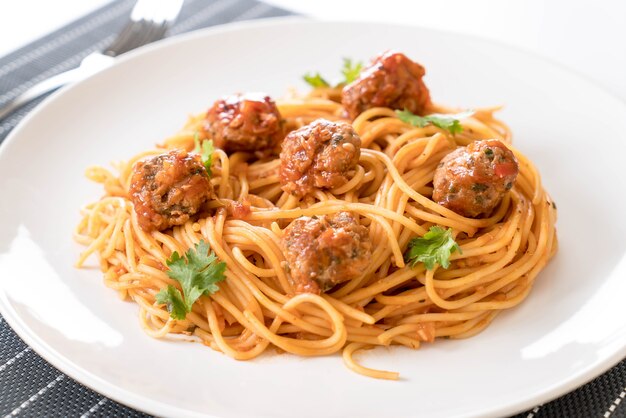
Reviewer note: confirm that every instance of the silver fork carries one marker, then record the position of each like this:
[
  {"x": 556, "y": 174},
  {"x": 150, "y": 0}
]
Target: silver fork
[{"x": 149, "y": 21}]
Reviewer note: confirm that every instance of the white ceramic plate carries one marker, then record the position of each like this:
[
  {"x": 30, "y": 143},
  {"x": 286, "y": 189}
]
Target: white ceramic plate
[{"x": 571, "y": 328}]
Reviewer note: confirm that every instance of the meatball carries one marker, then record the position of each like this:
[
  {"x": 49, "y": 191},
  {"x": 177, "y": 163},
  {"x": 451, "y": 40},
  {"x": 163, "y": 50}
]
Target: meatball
[
  {"x": 324, "y": 251},
  {"x": 391, "y": 80},
  {"x": 318, "y": 155},
  {"x": 249, "y": 122},
  {"x": 168, "y": 189},
  {"x": 472, "y": 180}
]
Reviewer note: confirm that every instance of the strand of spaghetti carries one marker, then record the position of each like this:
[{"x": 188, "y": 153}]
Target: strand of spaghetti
[
  {"x": 526, "y": 163},
  {"x": 355, "y": 181},
  {"x": 378, "y": 170},
  {"x": 224, "y": 171},
  {"x": 349, "y": 311},
  {"x": 501, "y": 305},
  {"x": 168, "y": 242},
  {"x": 370, "y": 131},
  {"x": 417, "y": 178},
  {"x": 241, "y": 298},
  {"x": 413, "y": 135},
  {"x": 479, "y": 129},
  {"x": 111, "y": 183},
  {"x": 334, "y": 206},
  {"x": 261, "y": 168},
  {"x": 410, "y": 296},
  {"x": 243, "y": 261},
  {"x": 494, "y": 234},
  {"x": 397, "y": 311},
  {"x": 469, "y": 328},
  {"x": 95, "y": 214},
  {"x": 124, "y": 281},
  {"x": 424, "y": 149},
  {"x": 295, "y": 105},
  {"x": 95, "y": 244},
  {"x": 394, "y": 279},
  {"x": 154, "y": 333},
  {"x": 528, "y": 217},
  {"x": 395, "y": 247},
  {"x": 116, "y": 234},
  {"x": 380, "y": 255},
  {"x": 264, "y": 181},
  {"x": 146, "y": 241},
  {"x": 368, "y": 176},
  {"x": 386, "y": 337},
  {"x": 129, "y": 246},
  {"x": 348, "y": 360},
  {"x": 524, "y": 183},
  {"x": 224, "y": 346},
  {"x": 401, "y": 204}
]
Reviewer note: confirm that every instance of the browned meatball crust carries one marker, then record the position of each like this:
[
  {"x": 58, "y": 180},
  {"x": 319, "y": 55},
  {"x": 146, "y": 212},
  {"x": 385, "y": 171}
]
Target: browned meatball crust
[
  {"x": 472, "y": 180},
  {"x": 247, "y": 122},
  {"x": 318, "y": 155},
  {"x": 324, "y": 251},
  {"x": 168, "y": 189},
  {"x": 391, "y": 80}
]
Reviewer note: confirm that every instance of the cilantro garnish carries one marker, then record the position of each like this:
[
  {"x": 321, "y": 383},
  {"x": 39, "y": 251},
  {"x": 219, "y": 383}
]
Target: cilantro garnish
[
  {"x": 171, "y": 297},
  {"x": 205, "y": 149},
  {"x": 315, "y": 80},
  {"x": 435, "y": 246},
  {"x": 350, "y": 71},
  {"x": 198, "y": 273},
  {"x": 449, "y": 122}
]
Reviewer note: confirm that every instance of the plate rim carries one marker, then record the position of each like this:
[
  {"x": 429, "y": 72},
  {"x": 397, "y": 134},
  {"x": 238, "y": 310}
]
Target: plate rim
[{"x": 143, "y": 403}]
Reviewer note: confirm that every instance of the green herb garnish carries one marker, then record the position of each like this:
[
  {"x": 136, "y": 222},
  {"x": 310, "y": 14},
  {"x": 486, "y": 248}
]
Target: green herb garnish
[
  {"x": 350, "y": 71},
  {"x": 435, "y": 246},
  {"x": 198, "y": 273},
  {"x": 205, "y": 149},
  {"x": 315, "y": 80},
  {"x": 449, "y": 122}
]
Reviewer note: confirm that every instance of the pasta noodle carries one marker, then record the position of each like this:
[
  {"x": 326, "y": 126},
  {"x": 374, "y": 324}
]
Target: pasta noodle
[{"x": 391, "y": 304}]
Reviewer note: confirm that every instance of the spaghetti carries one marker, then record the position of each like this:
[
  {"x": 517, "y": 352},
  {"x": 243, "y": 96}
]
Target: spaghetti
[{"x": 389, "y": 191}]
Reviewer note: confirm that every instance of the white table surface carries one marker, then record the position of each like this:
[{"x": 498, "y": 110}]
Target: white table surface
[{"x": 584, "y": 35}]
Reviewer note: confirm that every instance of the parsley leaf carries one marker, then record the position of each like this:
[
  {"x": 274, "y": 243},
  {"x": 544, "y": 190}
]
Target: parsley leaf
[
  {"x": 435, "y": 246},
  {"x": 351, "y": 71},
  {"x": 198, "y": 273},
  {"x": 449, "y": 122},
  {"x": 205, "y": 150},
  {"x": 171, "y": 297},
  {"x": 315, "y": 80}
]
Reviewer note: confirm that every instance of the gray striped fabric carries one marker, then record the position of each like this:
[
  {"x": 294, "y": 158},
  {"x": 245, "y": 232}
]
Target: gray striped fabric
[{"x": 29, "y": 386}]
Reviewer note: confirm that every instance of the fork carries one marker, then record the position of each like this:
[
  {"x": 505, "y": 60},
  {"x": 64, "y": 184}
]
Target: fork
[{"x": 149, "y": 20}]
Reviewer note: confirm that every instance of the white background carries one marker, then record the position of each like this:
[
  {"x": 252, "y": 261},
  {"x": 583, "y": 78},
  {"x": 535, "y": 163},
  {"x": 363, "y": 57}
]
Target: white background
[{"x": 586, "y": 36}]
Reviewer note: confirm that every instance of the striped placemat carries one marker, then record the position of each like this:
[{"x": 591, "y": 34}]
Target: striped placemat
[{"x": 29, "y": 386}]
